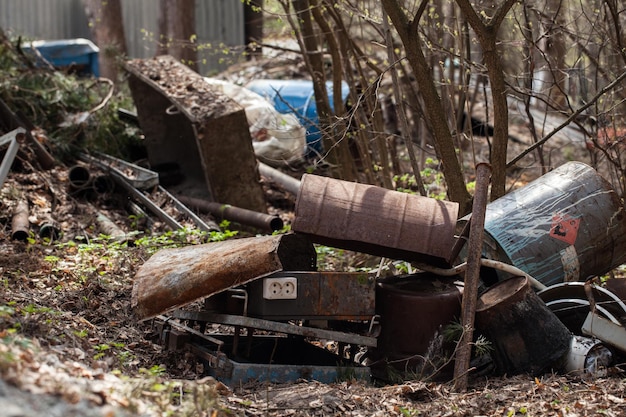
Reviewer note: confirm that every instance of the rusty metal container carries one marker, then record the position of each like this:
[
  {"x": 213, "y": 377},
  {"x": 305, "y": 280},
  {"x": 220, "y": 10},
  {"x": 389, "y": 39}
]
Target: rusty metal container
[
  {"x": 527, "y": 336},
  {"x": 413, "y": 310},
  {"x": 567, "y": 225},
  {"x": 374, "y": 220}
]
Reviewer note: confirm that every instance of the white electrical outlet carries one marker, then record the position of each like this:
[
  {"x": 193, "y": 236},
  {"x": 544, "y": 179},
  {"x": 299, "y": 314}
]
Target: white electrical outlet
[{"x": 285, "y": 288}]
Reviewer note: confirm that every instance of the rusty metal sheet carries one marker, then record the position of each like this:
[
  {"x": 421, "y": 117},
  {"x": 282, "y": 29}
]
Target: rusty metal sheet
[
  {"x": 375, "y": 220},
  {"x": 320, "y": 295},
  {"x": 175, "y": 277}
]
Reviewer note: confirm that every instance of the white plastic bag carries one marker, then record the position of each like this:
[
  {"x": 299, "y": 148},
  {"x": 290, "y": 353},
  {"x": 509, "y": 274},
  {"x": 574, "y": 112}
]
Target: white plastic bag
[{"x": 276, "y": 138}]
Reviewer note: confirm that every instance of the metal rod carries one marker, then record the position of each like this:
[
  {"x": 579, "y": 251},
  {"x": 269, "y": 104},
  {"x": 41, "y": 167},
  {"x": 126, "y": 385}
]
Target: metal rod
[
  {"x": 285, "y": 181},
  {"x": 472, "y": 276},
  {"x": 207, "y": 227},
  {"x": 194, "y": 332},
  {"x": 231, "y": 320},
  {"x": 236, "y": 214}
]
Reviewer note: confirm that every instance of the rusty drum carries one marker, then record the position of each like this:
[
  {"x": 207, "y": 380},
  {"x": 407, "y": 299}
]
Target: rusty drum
[
  {"x": 567, "y": 225},
  {"x": 413, "y": 311},
  {"x": 374, "y": 220}
]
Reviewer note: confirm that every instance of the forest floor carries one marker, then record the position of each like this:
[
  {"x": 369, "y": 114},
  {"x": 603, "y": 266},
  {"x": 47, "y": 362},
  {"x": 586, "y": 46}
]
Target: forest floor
[{"x": 70, "y": 344}]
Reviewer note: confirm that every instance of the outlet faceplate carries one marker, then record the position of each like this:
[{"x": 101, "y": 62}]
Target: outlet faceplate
[{"x": 285, "y": 288}]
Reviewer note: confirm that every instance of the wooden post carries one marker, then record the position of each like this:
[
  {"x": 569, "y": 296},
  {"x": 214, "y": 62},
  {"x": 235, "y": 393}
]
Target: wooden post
[{"x": 472, "y": 275}]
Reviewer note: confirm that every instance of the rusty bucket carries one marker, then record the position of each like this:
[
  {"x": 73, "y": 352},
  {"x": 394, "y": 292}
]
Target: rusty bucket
[
  {"x": 567, "y": 225},
  {"x": 374, "y": 220}
]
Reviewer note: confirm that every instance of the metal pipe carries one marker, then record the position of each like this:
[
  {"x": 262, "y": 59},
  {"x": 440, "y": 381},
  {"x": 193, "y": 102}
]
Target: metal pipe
[
  {"x": 236, "y": 214},
  {"x": 472, "y": 275},
  {"x": 285, "y": 181},
  {"x": 19, "y": 222},
  {"x": 50, "y": 230}
]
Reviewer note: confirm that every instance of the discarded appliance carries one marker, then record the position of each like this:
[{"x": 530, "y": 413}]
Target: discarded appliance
[
  {"x": 414, "y": 310},
  {"x": 277, "y": 138},
  {"x": 375, "y": 220},
  {"x": 567, "y": 225},
  {"x": 265, "y": 283},
  {"x": 527, "y": 336},
  {"x": 332, "y": 306},
  {"x": 572, "y": 301},
  {"x": 198, "y": 130},
  {"x": 76, "y": 55},
  {"x": 297, "y": 97}
]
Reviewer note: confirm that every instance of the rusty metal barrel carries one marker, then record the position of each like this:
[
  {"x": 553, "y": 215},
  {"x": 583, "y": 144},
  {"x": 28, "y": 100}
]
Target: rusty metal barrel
[
  {"x": 374, "y": 220},
  {"x": 413, "y": 311},
  {"x": 567, "y": 225}
]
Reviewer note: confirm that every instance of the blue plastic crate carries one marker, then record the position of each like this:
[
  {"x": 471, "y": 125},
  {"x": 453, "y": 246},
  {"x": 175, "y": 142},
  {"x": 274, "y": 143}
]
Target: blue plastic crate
[{"x": 79, "y": 54}]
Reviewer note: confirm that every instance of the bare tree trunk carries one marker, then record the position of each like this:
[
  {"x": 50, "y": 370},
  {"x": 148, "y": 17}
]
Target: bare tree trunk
[
  {"x": 487, "y": 34},
  {"x": 177, "y": 25},
  {"x": 253, "y": 27},
  {"x": 107, "y": 27},
  {"x": 444, "y": 145},
  {"x": 555, "y": 44}
]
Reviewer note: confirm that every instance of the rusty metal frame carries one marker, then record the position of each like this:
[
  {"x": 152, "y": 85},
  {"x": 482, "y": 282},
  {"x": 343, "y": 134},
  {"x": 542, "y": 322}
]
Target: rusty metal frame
[
  {"x": 10, "y": 138},
  {"x": 232, "y": 320}
]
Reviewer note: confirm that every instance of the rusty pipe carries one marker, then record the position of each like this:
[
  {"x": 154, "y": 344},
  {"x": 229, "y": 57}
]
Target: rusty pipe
[
  {"x": 19, "y": 222},
  {"x": 79, "y": 179},
  {"x": 236, "y": 214}
]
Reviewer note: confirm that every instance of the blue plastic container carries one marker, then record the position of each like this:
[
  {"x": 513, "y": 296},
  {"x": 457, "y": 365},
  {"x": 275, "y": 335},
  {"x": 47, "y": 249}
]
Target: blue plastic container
[
  {"x": 78, "y": 54},
  {"x": 297, "y": 97}
]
